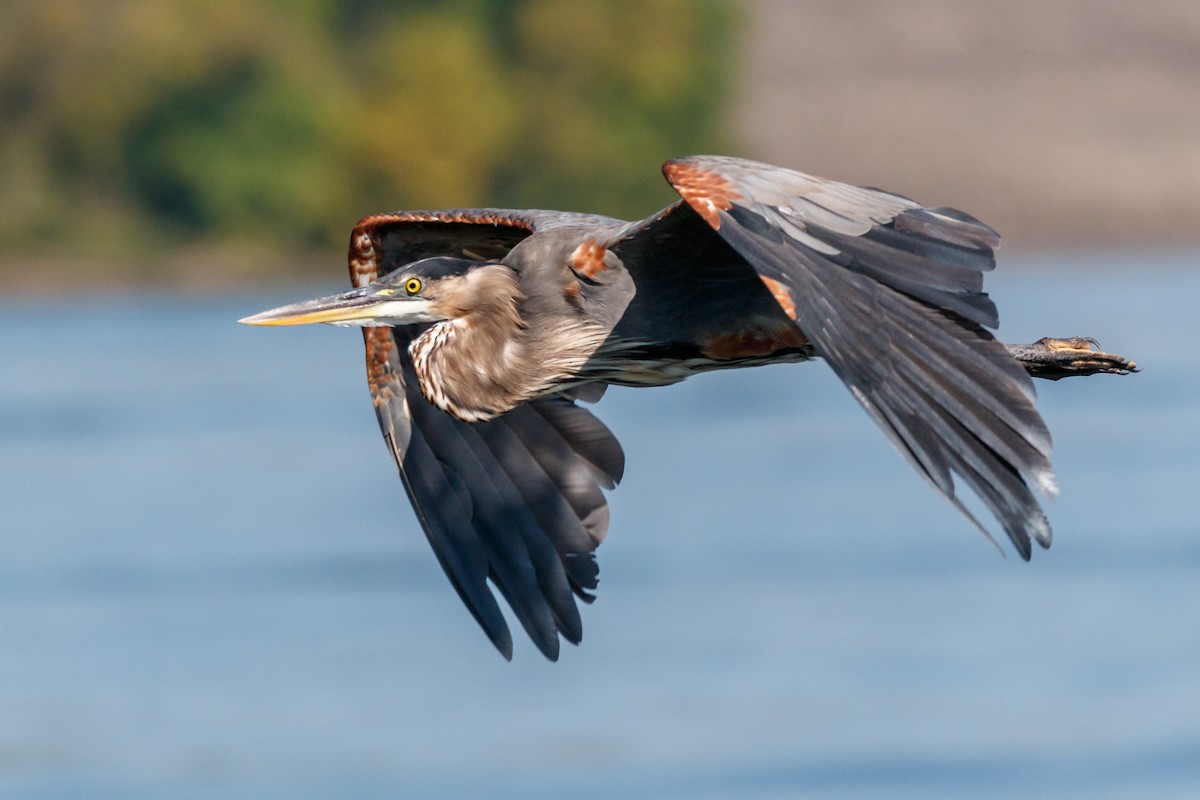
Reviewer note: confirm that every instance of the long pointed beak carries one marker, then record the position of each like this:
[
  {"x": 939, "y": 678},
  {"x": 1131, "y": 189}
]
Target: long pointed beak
[{"x": 360, "y": 307}]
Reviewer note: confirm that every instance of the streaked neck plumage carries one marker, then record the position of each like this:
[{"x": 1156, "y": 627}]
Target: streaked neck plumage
[{"x": 485, "y": 360}]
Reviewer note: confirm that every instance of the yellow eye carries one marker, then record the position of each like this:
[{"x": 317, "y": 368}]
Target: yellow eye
[{"x": 413, "y": 285}]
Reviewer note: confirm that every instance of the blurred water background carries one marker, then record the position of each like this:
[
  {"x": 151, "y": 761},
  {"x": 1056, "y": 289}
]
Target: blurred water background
[{"x": 212, "y": 585}]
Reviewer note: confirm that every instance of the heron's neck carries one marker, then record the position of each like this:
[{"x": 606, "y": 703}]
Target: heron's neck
[{"x": 488, "y": 361}]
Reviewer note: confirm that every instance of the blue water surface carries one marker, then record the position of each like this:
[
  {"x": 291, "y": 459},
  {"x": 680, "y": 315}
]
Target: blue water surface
[{"x": 212, "y": 585}]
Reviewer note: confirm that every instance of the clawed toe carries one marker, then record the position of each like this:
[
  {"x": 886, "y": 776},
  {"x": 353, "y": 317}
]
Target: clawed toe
[{"x": 1053, "y": 358}]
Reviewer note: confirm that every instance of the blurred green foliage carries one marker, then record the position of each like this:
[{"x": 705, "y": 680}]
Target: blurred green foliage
[{"x": 130, "y": 126}]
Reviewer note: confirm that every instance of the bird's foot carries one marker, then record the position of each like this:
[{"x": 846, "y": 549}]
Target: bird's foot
[{"x": 1052, "y": 359}]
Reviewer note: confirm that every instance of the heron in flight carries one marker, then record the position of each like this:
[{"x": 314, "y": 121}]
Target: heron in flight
[{"x": 485, "y": 328}]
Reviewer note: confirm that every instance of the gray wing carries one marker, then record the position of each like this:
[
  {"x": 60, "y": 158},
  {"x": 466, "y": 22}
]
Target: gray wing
[
  {"x": 891, "y": 295},
  {"x": 516, "y": 500}
]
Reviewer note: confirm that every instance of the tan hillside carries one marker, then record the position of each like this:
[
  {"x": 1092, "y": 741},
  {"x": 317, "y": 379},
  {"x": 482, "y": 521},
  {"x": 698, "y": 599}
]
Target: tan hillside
[{"x": 1060, "y": 122}]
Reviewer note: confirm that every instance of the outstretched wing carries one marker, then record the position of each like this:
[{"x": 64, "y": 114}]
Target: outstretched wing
[
  {"x": 382, "y": 242},
  {"x": 891, "y": 295},
  {"x": 516, "y": 500}
]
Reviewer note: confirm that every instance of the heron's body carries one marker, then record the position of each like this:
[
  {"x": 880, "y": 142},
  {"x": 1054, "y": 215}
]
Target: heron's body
[
  {"x": 484, "y": 360},
  {"x": 484, "y": 327}
]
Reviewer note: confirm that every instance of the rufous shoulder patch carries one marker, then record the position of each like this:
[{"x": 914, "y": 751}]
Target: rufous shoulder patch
[
  {"x": 587, "y": 260},
  {"x": 782, "y": 295},
  {"x": 706, "y": 192}
]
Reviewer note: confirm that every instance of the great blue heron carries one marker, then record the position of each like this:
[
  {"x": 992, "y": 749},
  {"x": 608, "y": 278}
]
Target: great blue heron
[{"x": 488, "y": 325}]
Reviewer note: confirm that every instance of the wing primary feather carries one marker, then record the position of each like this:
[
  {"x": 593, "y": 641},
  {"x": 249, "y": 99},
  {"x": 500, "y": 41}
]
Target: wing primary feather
[
  {"x": 957, "y": 385},
  {"x": 560, "y": 524},
  {"x": 991, "y": 475},
  {"x": 950, "y": 225},
  {"x": 587, "y": 436},
  {"x": 531, "y": 500},
  {"x": 517, "y": 488},
  {"x": 502, "y": 528},
  {"x": 450, "y": 532},
  {"x": 578, "y": 479}
]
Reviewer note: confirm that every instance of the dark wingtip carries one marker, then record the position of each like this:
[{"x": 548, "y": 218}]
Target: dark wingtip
[
  {"x": 1025, "y": 550},
  {"x": 502, "y": 640},
  {"x": 549, "y": 648},
  {"x": 570, "y": 625}
]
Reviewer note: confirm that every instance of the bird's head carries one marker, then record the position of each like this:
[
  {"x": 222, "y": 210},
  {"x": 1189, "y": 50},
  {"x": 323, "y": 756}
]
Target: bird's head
[{"x": 429, "y": 290}]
